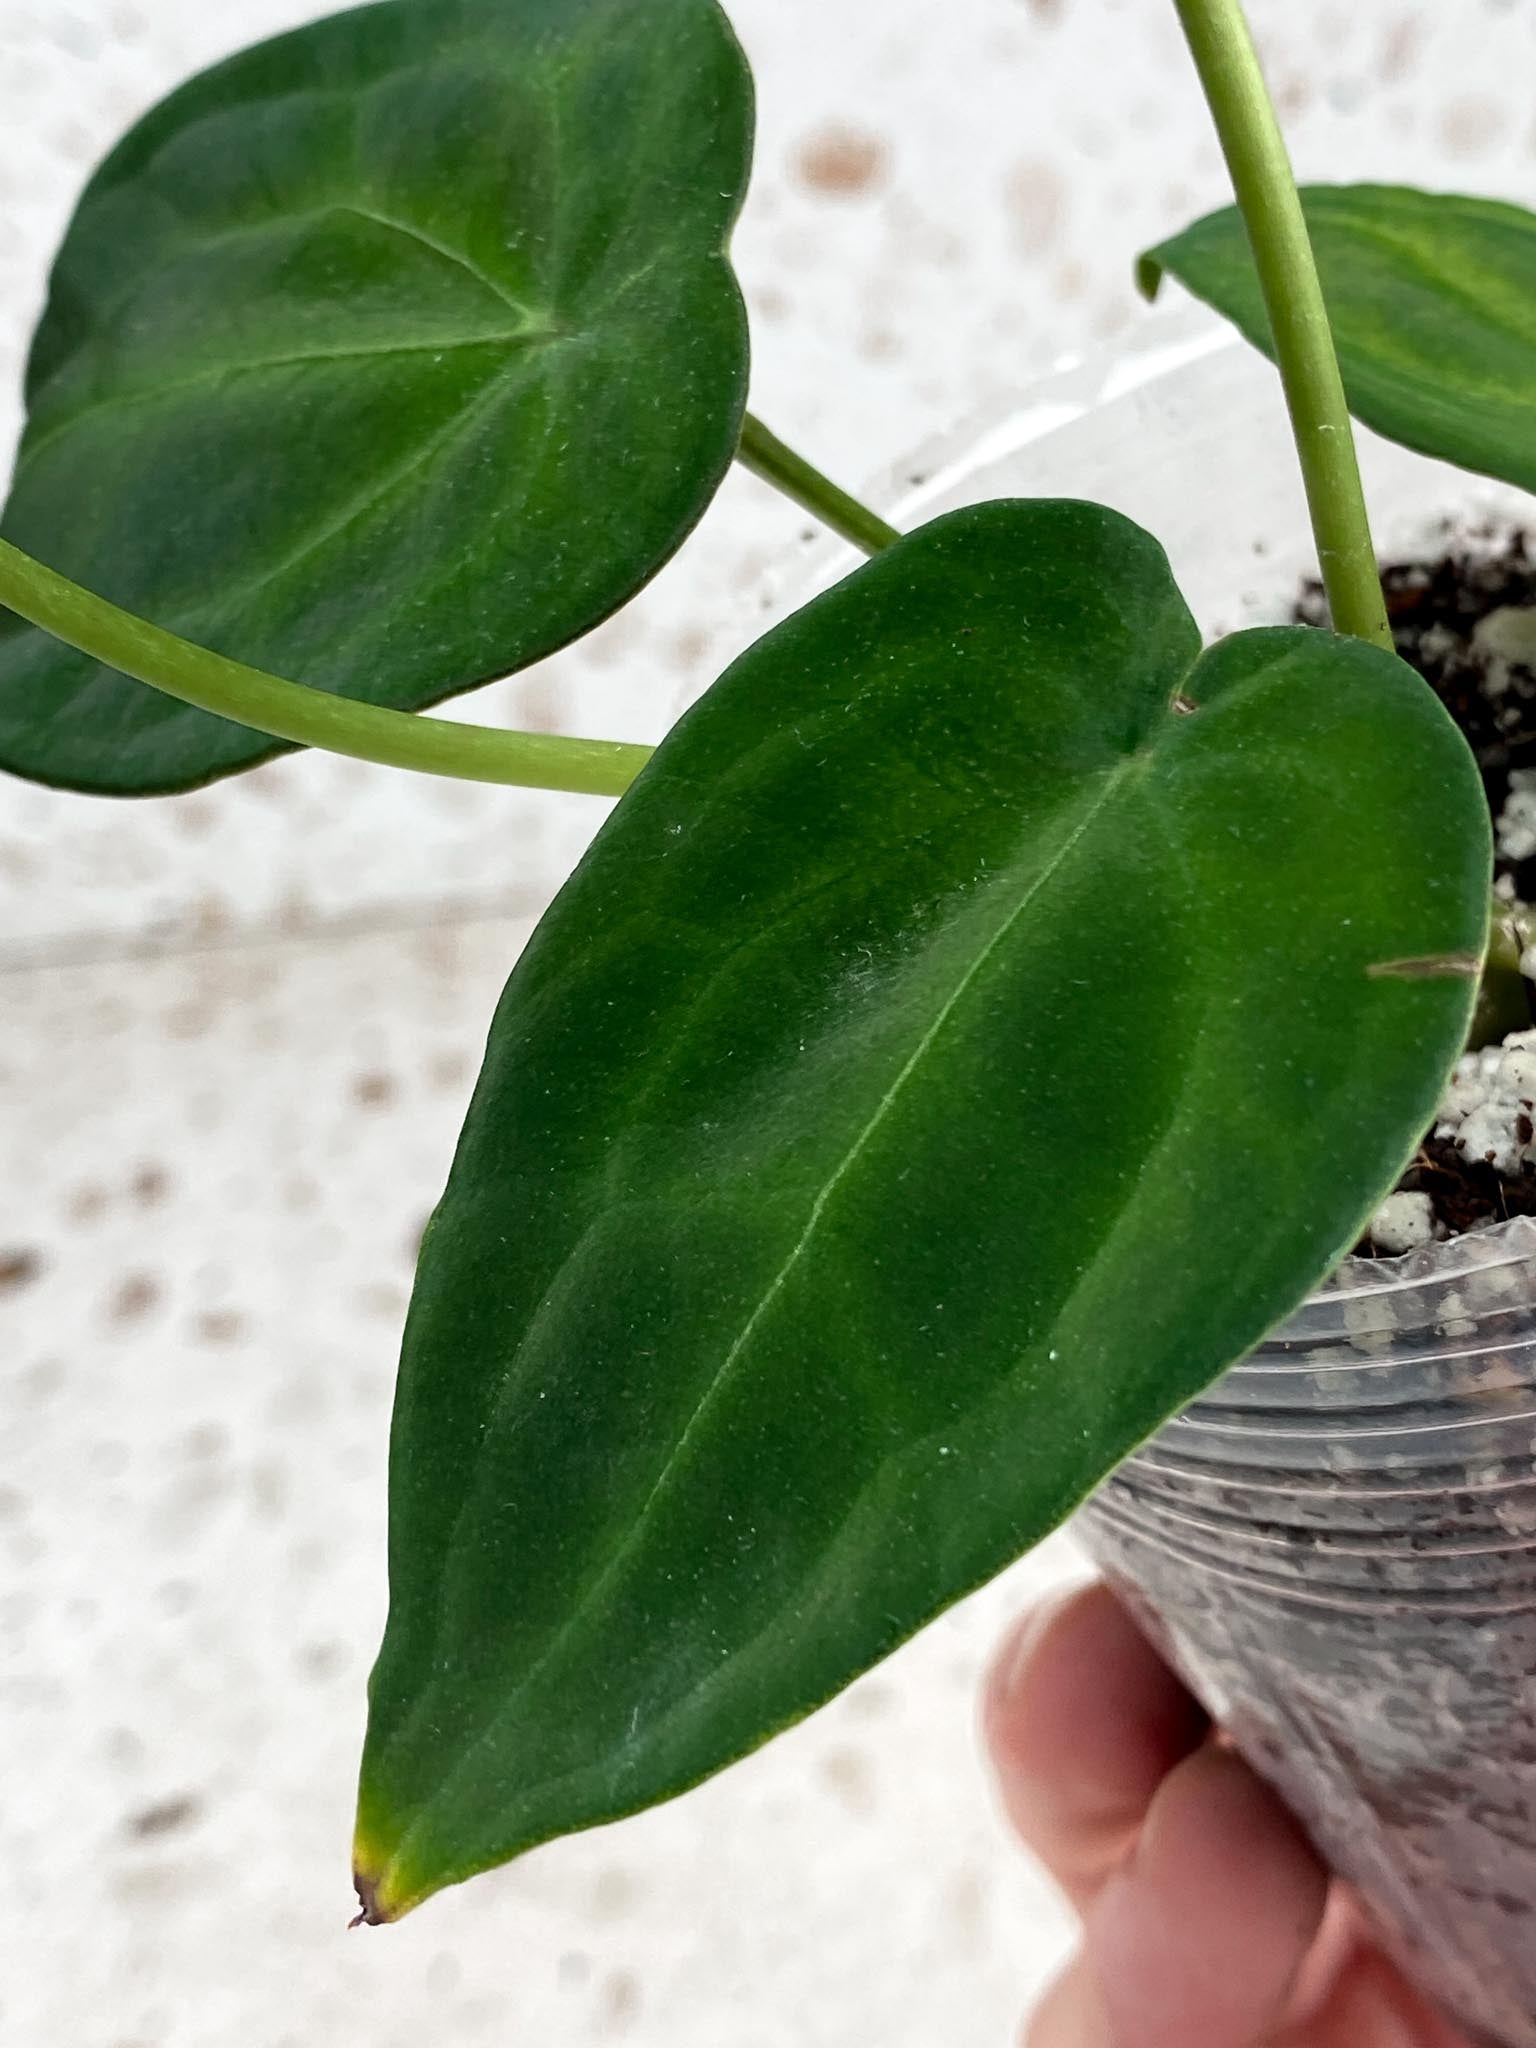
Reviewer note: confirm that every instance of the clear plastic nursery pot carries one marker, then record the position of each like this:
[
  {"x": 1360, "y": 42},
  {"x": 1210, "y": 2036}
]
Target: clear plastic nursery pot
[{"x": 1337, "y": 1545}]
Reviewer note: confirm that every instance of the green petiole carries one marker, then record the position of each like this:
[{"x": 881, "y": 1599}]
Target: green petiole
[
  {"x": 768, "y": 457},
  {"x": 293, "y": 711},
  {"x": 369, "y": 732},
  {"x": 1233, "y": 81}
]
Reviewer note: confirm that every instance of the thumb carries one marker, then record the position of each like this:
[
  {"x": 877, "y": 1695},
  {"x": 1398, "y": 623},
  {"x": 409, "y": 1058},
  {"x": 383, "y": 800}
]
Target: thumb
[{"x": 1198, "y": 1940}]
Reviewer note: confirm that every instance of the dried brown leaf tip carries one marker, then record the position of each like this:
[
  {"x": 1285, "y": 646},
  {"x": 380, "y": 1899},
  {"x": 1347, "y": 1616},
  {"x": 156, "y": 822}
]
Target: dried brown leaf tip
[{"x": 369, "y": 1914}]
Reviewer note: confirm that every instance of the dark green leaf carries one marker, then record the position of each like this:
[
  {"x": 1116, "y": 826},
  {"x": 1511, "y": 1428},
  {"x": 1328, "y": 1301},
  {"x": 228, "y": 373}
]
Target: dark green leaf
[
  {"x": 388, "y": 356},
  {"x": 951, "y": 1054},
  {"x": 1433, "y": 300}
]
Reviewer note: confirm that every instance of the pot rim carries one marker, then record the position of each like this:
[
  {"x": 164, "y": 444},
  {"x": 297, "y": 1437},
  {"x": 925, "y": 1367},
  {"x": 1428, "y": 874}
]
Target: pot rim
[{"x": 1511, "y": 1242}]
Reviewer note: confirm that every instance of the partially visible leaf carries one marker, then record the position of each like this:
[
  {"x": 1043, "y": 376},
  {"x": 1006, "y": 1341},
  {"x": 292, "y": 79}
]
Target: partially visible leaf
[
  {"x": 389, "y": 356},
  {"x": 952, "y": 1054},
  {"x": 1433, "y": 302}
]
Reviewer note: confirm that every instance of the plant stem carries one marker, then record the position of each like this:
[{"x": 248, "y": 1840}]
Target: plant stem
[
  {"x": 1230, "y": 73},
  {"x": 766, "y": 456},
  {"x": 309, "y": 717},
  {"x": 1504, "y": 994}
]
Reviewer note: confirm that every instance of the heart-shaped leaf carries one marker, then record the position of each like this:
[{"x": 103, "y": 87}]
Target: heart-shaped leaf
[
  {"x": 389, "y": 356},
  {"x": 955, "y": 1050},
  {"x": 1433, "y": 302}
]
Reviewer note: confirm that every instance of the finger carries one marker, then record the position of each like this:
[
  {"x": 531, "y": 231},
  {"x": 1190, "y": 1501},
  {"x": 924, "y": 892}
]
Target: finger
[
  {"x": 1371, "y": 2007},
  {"x": 1324, "y": 2010},
  {"x": 1340, "y": 1940},
  {"x": 1084, "y": 1721},
  {"x": 1368, "y": 2007},
  {"x": 1200, "y": 1937},
  {"x": 1071, "y": 2015}
]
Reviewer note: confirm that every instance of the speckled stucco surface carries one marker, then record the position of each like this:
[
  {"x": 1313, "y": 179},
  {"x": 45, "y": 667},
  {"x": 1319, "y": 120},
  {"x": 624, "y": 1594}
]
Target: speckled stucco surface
[{"x": 238, "y": 1030}]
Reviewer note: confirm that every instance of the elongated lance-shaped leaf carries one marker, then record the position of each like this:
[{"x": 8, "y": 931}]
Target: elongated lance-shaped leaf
[
  {"x": 388, "y": 356},
  {"x": 1433, "y": 302},
  {"x": 983, "y": 1019}
]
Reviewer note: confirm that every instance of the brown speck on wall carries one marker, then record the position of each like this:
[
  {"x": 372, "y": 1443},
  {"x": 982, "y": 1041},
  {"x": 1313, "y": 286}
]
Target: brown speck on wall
[
  {"x": 1400, "y": 48},
  {"x": 690, "y": 647},
  {"x": 136, "y": 1295},
  {"x": 1037, "y": 202},
  {"x": 450, "y": 1070},
  {"x": 620, "y": 1999},
  {"x": 374, "y": 1091},
  {"x": 844, "y": 163},
  {"x": 189, "y": 1020},
  {"x": 1471, "y": 125},
  {"x": 164, "y": 1818},
  {"x": 220, "y": 1326},
  {"x": 847, "y": 1773},
  {"x": 1071, "y": 281},
  {"x": 18, "y": 1269},
  {"x": 194, "y": 816},
  {"x": 86, "y": 1204},
  {"x": 614, "y": 1893}
]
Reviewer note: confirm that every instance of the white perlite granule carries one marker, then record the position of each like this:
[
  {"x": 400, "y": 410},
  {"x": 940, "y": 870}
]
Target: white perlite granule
[
  {"x": 1516, "y": 827},
  {"x": 1488, "y": 1112},
  {"x": 1403, "y": 1223},
  {"x": 1506, "y": 641},
  {"x": 1489, "y": 1109}
]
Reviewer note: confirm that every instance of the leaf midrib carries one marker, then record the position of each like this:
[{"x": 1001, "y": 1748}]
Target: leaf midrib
[
  {"x": 1399, "y": 366},
  {"x": 533, "y": 324},
  {"x": 1493, "y": 313},
  {"x": 582, "y": 1606},
  {"x": 534, "y": 332},
  {"x": 216, "y": 374}
]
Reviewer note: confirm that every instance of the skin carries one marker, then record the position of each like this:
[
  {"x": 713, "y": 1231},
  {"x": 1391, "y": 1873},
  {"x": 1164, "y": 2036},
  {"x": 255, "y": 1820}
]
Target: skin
[{"x": 1207, "y": 1920}]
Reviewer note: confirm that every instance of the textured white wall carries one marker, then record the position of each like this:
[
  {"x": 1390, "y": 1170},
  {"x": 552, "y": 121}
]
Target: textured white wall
[{"x": 237, "y": 1031}]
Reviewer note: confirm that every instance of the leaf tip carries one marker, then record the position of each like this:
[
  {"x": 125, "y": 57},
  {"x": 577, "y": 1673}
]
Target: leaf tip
[
  {"x": 379, "y": 1900},
  {"x": 372, "y": 1908},
  {"x": 1149, "y": 275}
]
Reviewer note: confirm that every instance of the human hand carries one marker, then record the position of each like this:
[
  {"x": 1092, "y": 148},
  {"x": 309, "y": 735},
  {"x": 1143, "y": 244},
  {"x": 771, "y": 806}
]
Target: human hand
[{"x": 1208, "y": 1921}]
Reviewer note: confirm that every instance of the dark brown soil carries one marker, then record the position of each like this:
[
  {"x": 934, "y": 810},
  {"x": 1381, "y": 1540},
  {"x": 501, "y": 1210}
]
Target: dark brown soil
[
  {"x": 1465, "y": 1193},
  {"x": 1435, "y": 608}
]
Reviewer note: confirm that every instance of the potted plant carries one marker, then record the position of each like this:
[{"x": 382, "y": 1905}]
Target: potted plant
[{"x": 985, "y": 1018}]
